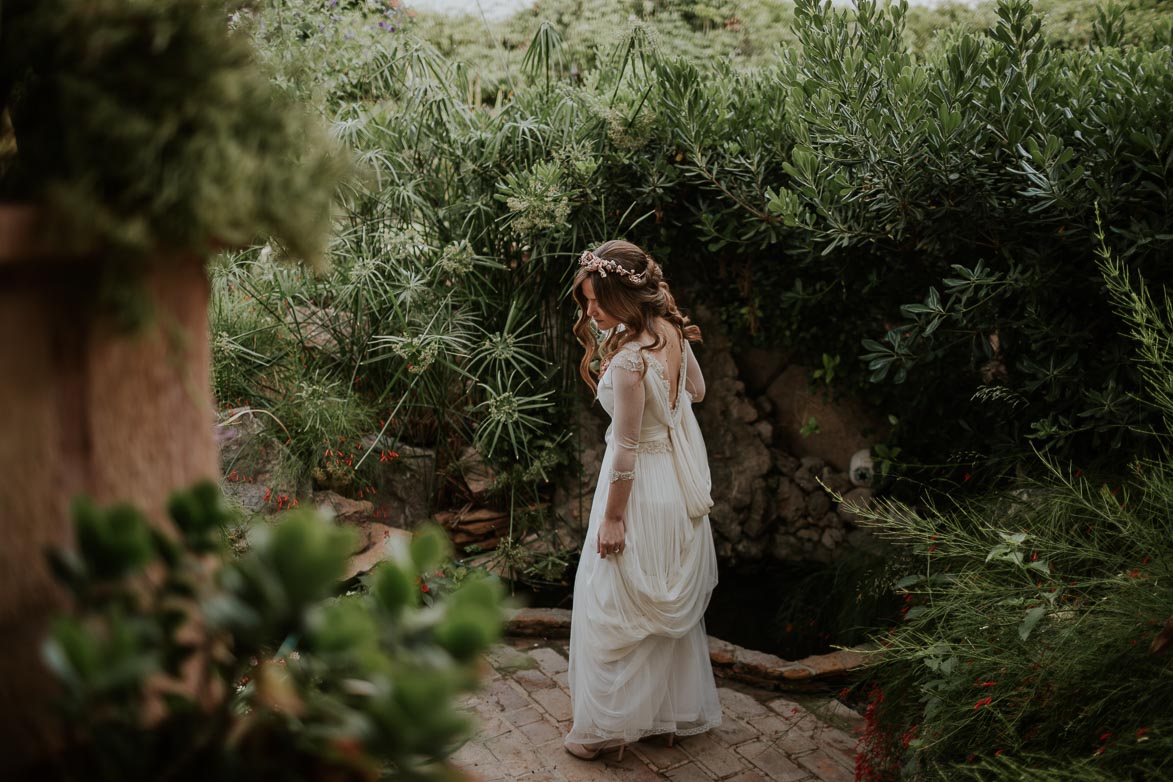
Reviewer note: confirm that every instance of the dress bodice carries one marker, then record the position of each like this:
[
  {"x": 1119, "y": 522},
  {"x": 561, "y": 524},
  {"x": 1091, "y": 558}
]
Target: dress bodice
[
  {"x": 658, "y": 413},
  {"x": 635, "y": 392}
]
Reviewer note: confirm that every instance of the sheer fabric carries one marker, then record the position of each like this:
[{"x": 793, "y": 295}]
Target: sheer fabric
[{"x": 639, "y": 656}]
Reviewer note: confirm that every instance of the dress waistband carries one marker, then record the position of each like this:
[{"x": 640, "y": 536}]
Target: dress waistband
[{"x": 659, "y": 445}]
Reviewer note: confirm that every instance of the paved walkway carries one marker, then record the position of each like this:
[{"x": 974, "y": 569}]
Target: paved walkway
[{"x": 524, "y": 711}]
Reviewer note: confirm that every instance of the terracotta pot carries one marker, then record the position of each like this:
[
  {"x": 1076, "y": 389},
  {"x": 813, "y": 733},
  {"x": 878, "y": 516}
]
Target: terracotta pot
[{"x": 86, "y": 407}]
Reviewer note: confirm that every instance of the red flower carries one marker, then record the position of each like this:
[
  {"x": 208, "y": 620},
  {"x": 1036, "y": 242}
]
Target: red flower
[
  {"x": 983, "y": 702},
  {"x": 423, "y": 587}
]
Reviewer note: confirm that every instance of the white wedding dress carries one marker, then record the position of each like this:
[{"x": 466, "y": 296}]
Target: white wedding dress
[{"x": 639, "y": 657}]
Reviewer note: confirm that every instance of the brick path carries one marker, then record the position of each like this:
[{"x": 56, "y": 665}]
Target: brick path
[{"x": 524, "y": 711}]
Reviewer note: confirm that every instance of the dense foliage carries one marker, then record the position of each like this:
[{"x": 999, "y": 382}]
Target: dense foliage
[
  {"x": 146, "y": 124},
  {"x": 1037, "y": 633},
  {"x": 848, "y": 197},
  {"x": 178, "y": 661}
]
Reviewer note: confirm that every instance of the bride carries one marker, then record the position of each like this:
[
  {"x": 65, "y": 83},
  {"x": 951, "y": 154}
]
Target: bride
[{"x": 639, "y": 657}]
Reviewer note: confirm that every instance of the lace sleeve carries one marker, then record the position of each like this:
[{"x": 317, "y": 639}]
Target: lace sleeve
[
  {"x": 694, "y": 381},
  {"x": 627, "y": 376}
]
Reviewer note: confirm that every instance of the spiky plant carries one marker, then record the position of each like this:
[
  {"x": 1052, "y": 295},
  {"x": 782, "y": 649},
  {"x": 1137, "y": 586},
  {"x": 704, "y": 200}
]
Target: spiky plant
[{"x": 1037, "y": 629}]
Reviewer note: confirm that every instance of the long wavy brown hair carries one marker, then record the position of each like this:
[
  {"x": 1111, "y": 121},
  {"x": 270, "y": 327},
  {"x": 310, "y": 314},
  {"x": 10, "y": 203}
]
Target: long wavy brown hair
[{"x": 635, "y": 305}]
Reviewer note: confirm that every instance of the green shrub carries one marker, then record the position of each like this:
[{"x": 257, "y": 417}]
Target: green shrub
[
  {"x": 179, "y": 661},
  {"x": 927, "y": 211},
  {"x": 1029, "y": 645},
  {"x": 145, "y": 124}
]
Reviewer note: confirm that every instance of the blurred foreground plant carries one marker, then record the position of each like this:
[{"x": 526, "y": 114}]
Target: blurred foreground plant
[
  {"x": 179, "y": 662},
  {"x": 142, "y": 125}
]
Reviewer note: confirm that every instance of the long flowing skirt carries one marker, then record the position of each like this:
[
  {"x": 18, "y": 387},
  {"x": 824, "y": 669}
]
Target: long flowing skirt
[{"x": 639, "y": 656}]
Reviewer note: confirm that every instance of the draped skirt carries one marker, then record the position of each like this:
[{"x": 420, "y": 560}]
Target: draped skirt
[{"x": 639, "y": 656}]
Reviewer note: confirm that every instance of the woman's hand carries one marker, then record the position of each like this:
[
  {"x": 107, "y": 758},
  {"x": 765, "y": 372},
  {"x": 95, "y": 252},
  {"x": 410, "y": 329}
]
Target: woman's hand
[{"x": 610, "y": 537}]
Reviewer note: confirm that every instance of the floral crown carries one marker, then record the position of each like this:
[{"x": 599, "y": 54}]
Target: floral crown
[{"x": 593, "y": 263}]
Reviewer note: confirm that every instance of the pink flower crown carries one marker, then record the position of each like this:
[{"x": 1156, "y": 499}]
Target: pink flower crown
[{"x": 593, "y": 263}]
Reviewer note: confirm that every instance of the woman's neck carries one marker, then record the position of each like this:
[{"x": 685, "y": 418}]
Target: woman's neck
[{"x": 654, "y": 329}]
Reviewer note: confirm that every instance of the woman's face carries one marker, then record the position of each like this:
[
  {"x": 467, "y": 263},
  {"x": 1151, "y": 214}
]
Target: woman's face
[{"x": 593, "y": 311}]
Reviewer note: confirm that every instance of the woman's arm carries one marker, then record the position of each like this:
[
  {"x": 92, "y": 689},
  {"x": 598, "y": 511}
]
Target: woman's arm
[
  {"x": 627, "y": 377},
  {"x": 694, "y": 381}
]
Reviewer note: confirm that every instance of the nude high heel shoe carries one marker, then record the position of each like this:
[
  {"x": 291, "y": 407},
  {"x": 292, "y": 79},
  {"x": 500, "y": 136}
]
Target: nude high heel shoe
[{"x": 591, "y": 752}]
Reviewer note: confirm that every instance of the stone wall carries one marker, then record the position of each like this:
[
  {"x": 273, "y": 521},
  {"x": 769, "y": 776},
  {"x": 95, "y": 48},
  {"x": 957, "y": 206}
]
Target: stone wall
[{"x": 774, "y": 489}]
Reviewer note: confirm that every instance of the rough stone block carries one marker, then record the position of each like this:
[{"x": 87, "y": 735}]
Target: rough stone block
[
  {"x": 540, "y": 622},
  {"x": 655, "y": 750},
  {"x": 721, "y": 652},
  {"x": 507, "y": 695},
  {"x": 741, "y": 704},
  {"x": 549, "y": 661},
  {"x": 825, "y": 767},
  {"x": 522, "y": 716},
  {"x": 834, "y": 663},
  {"x": 773, "y": 763},
  {"x": 732, "y": 732},
  {"x": 689, "y": 772},
  {"x": 507, "y": 659},
  {"x": 541, "y": 731},
  {"x": 533, "y": 680},
  {"x": 556, "y": 703},
  {"x": 714, "y": 757}
]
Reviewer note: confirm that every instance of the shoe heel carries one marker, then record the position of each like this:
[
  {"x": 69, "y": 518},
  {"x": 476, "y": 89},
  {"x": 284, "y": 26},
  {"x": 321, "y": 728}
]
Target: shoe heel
[
  {"x": 622, "y": 747},
  {"x": 671, "y": 740}
]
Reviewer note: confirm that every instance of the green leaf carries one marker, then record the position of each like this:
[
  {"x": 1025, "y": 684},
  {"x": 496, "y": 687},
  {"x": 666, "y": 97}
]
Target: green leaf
[
  {"x": 908, "y": 581},
  {"x": 1028, "y": 623},
  {"x": 430, "y": 547}
]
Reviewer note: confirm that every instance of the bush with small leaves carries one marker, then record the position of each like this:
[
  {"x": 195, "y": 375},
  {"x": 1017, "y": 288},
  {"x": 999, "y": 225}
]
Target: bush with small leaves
[{"x": 191, "y": 664}]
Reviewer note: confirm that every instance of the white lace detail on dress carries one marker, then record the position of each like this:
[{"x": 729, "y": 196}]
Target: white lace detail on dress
[
  {"x": 656, "y": 365},
  {"x": 659, "y": 730},
  {"x": 628, "y": 359},
  {"x": 655, "y": 446},
  {"x": 622, "y": 475}
]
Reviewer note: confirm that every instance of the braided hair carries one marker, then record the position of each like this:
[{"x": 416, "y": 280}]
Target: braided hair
[{"x": 635, "y": 297}]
